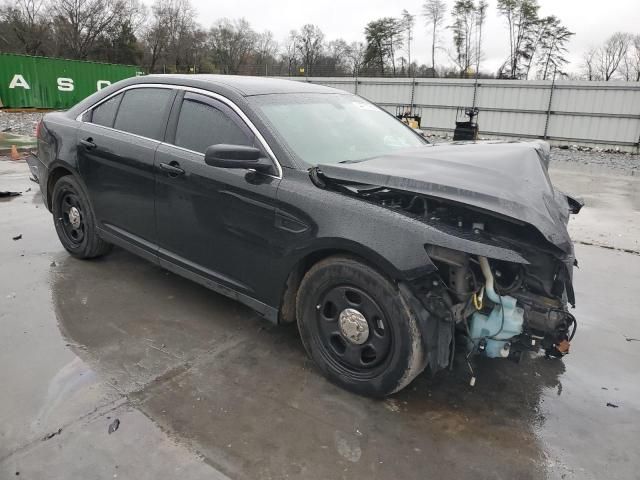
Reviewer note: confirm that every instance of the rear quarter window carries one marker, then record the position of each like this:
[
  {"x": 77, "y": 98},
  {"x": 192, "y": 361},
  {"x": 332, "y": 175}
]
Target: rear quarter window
[
  {"x": 105, "y": 113},
  {"x": 144, "y": 111}
]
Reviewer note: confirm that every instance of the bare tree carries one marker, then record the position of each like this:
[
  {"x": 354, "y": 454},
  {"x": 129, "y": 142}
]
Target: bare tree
[
  {"x": 180, "y": 28},
  {"x": 408, "y": 21},
  {"x": 266, "y": 46},
  {"x": 119, "y": 43},
  {"x": 197, "y": 50},
  {"x": 611, "y": 54},
  {"x": 28, "y": 23},
  {"x": 589, "y": 64},
  {"x": 232, "y": 43},
  {"x": 355, "y": 54},
  {"x": 79, "y": 23},
  {"x": 630, "y": 65},
  {"x": 266, "y": 49},
  {"x": 335, "y": 61},
  {"x": 309, "y": 44},
  {"x": 435, "y": 12},
  {"x": 290, "y": 52},
  {"x": 155, "y": 35},
  {"x": 134, "y": 14},
  {"x": 635, "y": 57}
]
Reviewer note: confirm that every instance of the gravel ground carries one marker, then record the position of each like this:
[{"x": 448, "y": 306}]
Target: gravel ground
[
  {"x": 596, "y": 161},
  {"x": 21, "y": 123},
  {"x": 24, "y": 123},
  {"x": 585, "y": 159}
]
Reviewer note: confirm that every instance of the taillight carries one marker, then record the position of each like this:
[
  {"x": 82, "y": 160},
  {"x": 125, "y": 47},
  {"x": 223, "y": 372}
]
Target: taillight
[{"x": 38, "y": 129}]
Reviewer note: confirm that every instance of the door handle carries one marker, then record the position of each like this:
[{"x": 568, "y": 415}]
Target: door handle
[
  {"x": 88, "y": 143},
  {"x": 173, "y": 169}
]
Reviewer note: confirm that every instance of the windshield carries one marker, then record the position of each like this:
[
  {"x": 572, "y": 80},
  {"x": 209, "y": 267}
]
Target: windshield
[{"x": 327, "y": 128}]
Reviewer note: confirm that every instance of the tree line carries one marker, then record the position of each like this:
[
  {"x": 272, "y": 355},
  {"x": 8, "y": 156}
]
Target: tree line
[
  {"x": 165, "y": 37},
  {"x": 618, "y": 57}
]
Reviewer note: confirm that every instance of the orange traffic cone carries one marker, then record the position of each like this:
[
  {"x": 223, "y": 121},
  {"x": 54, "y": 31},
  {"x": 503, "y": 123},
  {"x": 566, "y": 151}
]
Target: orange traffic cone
[{"x": 14, "y": 153}]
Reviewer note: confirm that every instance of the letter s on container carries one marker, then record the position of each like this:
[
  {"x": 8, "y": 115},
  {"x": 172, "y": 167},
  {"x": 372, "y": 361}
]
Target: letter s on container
[{"x": 65, "y": 84}]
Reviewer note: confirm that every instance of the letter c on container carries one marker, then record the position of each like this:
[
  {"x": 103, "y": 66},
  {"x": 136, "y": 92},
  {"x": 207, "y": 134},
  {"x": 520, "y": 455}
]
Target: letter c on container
[{"x": 102, "y": 84}]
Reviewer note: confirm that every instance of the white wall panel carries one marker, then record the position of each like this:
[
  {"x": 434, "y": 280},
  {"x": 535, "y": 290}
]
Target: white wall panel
[{"x": 587, "y": 113}]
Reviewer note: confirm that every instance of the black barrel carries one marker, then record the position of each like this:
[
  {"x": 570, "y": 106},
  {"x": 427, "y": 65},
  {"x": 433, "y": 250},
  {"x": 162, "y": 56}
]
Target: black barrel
[{"x": 465, "y": 131}]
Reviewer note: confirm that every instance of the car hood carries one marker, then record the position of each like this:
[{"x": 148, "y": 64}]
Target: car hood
[{"x": 509, "y": 179}]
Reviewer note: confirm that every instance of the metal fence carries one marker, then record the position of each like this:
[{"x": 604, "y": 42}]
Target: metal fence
[
  {"x": 599, "y": 114},
  {"x": 42, "y": 82}
]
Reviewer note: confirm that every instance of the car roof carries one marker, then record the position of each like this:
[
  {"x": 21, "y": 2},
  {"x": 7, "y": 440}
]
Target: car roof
[{"x": 244, "y": 85}]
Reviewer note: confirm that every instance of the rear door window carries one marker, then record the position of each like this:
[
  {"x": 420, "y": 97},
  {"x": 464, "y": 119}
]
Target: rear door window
[
  {"x": 144, "y": 112},
  {"x": 105, "y": 113},
  {"x": 202, "y": 123}
]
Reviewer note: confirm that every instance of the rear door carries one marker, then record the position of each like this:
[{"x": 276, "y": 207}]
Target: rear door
[
  {"x": 116, "y": 148},
  {"x": 215, "y": 222}
]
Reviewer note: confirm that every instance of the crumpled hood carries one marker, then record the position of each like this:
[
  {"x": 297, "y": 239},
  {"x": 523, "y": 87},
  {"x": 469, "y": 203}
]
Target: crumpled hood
[{"x": 510, "y": 179}]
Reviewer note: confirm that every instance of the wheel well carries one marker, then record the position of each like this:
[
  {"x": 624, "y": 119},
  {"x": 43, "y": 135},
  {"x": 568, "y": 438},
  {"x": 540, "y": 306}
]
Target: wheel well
[
  {"x": 288, "y": 303},
  {"x": 54, "y": 176}
]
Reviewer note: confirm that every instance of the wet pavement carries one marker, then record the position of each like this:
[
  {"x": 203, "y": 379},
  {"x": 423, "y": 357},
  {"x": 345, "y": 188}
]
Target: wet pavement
[{"x": 204, "y": 388}]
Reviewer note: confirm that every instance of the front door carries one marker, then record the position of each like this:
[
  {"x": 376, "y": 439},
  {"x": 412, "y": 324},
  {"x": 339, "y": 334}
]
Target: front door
[{"x": 215, "y": 222}]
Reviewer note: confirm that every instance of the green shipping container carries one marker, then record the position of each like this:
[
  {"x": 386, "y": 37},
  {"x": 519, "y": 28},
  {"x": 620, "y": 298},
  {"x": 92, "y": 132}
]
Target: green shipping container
[{"x": 42, "y": 82}]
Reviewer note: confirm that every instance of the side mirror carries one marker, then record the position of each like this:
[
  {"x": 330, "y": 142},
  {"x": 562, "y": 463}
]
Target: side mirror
[{"x": 237, "y": 156}]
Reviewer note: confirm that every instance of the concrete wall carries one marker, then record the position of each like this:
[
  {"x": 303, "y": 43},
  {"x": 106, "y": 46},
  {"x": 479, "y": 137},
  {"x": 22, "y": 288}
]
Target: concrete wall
[{"x": 602, "y": 114}]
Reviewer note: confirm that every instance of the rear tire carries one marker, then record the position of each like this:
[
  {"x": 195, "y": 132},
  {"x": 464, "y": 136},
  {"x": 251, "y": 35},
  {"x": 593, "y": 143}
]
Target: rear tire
[
  {"x": 74, "y": 220},
  {"x": 356, "y": 327}
]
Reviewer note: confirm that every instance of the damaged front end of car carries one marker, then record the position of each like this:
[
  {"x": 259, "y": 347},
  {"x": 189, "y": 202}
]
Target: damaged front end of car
[{"x": 502, "y": 282}]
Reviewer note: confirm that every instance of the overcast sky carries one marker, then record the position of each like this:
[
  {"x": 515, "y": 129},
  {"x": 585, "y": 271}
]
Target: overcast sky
[{"x": 592, "y": 21}]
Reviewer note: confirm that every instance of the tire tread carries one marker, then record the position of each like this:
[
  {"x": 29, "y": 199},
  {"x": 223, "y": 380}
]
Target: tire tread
[
  {"x": 414, "y": 362},
  {"x": 95, "y": 246}
]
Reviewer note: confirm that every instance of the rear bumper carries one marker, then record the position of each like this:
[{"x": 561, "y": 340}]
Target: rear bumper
[
  {"x": 34, "y": 167},
  {"x": 39, "y": 174}
]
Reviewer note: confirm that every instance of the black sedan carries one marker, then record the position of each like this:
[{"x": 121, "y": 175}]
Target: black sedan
[{"x": 312, "y": 205}]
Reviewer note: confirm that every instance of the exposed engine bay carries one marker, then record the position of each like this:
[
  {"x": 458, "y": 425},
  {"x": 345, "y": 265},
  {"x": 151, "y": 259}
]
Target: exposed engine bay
[
  {"x": 500, "y": 308},
  {"x": 504, "y": 292}
]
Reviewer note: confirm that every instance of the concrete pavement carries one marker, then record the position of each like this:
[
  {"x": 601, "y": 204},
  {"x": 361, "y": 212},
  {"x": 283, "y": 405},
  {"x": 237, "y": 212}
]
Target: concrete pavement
[{"x": 204, "y": 388}]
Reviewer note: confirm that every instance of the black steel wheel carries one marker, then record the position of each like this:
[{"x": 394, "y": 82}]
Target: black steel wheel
[
  {"x": 71, "y": 217},
  {"x": 356, "y": 327},
  {"x": 74, "y": 220},
  {"x": 353, "y": 329}
]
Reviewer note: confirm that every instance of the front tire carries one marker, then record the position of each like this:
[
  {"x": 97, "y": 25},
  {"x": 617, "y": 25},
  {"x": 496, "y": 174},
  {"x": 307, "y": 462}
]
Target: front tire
[
  {"x": 357, "y": 329},
  {"x": 74, "y": 220}
]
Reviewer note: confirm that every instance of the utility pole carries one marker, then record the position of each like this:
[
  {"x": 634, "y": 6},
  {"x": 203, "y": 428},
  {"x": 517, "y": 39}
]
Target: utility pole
[
  {"x": 480, "y": 22},
  {"x": 553, "y": 84}
]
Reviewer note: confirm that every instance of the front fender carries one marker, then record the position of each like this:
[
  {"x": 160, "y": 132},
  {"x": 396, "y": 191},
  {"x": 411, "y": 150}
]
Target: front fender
[
  {"x": 311, "y": 219},
  {"x": 396, "y": 264}
]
